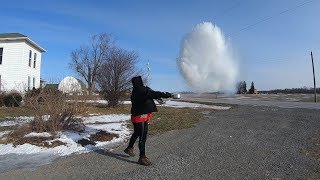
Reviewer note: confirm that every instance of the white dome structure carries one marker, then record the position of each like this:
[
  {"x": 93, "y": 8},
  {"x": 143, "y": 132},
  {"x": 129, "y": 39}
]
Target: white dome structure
[{"x": 71, "y": 85}]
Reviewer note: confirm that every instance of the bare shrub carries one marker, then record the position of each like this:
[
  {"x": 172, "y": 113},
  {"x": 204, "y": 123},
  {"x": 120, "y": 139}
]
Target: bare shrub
[
  {"x": 15, "y": 137},
  {"x": 12, "y": 99},
  {"x": 53, "y": 111},
  {"x": 115, "y": 73},
  {"x": 2, "y": 95}
]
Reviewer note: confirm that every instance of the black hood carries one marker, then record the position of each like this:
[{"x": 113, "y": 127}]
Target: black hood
[{"x": 137, "y": 81}]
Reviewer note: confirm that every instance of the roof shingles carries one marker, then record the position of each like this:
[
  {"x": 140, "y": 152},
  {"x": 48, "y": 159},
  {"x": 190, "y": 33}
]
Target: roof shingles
[{"x": 11, "y": 35}]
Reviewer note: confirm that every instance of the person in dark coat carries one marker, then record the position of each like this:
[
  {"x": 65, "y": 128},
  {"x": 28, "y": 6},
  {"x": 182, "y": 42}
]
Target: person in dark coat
[{"x": 141, "y": 112}]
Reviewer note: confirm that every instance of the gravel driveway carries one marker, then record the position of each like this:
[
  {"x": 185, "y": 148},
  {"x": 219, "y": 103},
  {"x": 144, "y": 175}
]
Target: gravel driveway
[{"x": 246, "y": 142}]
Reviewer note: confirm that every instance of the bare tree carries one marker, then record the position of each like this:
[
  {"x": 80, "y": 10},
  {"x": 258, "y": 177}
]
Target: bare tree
[
  {"x": 114, "y": 77},
  {"x": 87, "y": 59}
]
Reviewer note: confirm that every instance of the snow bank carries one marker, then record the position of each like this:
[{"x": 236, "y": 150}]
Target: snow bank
[
  {"x": 114, "y": 123},
  {"x": 106, "y": 118}
]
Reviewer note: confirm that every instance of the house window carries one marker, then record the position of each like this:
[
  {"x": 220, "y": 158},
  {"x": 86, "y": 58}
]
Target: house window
[
  {"x": 34, "y": 82},
  {"x": 30, "y": 54},
  {"x": 34, "y": 60},
  {"x": 1, "y": 54},
  {"x": 29, "y": 82}
]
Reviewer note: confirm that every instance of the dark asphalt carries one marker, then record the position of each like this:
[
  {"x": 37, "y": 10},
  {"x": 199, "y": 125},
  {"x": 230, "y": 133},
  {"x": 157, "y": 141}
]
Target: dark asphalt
[
  {"x": 246, "y": 142},
  {"x": 252, "y": 102}
]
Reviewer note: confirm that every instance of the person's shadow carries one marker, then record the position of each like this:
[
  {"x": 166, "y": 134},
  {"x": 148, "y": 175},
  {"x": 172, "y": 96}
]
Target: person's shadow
[
  {"x": 89, "y": 145},
  {"x": 121, "y": 157}
]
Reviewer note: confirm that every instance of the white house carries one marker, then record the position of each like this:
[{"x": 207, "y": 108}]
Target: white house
[{"x": 20, "y": 62}]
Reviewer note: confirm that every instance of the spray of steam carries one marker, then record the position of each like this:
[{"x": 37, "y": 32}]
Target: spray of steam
[{"x": 206, "y": 61}]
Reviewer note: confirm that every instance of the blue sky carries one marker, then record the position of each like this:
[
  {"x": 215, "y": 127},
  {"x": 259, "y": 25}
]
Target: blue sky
[{"x": 274, "y": 53}]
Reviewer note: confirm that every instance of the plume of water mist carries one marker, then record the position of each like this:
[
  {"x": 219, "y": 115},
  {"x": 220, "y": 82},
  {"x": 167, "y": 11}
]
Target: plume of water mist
[{"x": 206, "y": 60}]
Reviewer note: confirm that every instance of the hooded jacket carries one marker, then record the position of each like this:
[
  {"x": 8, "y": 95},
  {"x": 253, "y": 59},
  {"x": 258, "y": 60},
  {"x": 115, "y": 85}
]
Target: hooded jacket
[{"x": 142, "y": 98}]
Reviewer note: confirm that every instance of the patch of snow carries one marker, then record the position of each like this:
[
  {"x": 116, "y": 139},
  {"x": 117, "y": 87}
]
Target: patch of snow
[
  {"x": 113, "y": 124},
  {"x": 126, "y": 102},
  {"x": 8, "y": 123},
  {"x": 2, "y": 133},
  {"x": 12, "y": 121},
  {"x": 97, "y": 101},
  {"x": 16, "y": 120},
  {"x": 34, "y": 134},
  {"x": 106, "y": 118},
  {"x": 45, "y": 117},
  {"x": 20, "y": 149}
]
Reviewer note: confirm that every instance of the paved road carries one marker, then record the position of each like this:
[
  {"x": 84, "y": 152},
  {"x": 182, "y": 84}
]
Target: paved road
[
  {"x": 244, "y": 142},
  {"x": 282, "y": 104}
]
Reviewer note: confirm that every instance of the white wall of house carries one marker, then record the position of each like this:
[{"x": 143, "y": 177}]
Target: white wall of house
[{"x": 15, "y": 69}]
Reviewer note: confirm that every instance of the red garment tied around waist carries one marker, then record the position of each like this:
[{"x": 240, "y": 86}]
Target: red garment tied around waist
[{"x": 141, "y": 118}]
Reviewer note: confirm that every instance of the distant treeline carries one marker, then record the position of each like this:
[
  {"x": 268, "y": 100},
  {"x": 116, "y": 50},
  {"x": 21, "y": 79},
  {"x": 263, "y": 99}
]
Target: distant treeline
[{"x": 291, "y": 91}]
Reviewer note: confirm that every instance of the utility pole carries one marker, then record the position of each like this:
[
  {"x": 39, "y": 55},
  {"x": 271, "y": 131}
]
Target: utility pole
[{"x": 314, "y": 80}]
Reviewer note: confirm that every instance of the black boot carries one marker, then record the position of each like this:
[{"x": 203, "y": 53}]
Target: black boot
[
  {"x": 143, "y": 160},
  {"x": 129, "y": 151}
]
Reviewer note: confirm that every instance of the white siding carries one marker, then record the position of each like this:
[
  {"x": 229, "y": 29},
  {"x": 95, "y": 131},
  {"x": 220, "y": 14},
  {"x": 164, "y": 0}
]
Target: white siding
[
  {"x": 10, "y": 69},
  {"x": 31, "y": 71},
  {"x": 15, "y": 69}
]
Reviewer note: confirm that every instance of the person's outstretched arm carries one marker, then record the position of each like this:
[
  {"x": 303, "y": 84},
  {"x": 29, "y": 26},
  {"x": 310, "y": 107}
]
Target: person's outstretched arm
[{"x": 156, "y": 94}]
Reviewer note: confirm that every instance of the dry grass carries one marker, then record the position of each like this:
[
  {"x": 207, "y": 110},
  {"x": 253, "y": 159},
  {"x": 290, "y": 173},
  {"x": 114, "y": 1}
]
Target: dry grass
[
  {"x": 313, "y": 149},
  {"x": 167, "y": 119},
  {"x": 103, "y": 136},
  {"x": 37, "y": 141},
  {"x": 104, "y": 109},
  {"x": 7, "y": 128},
  {"x": 15, "y": 112},
  {"x": 16, "y": 137}
]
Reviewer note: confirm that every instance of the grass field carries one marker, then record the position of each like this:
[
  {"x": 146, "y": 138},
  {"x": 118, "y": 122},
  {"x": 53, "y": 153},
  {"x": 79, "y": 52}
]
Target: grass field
[
  {"x": 15, "y": 112},
  {"x": 166, "y": 119}
]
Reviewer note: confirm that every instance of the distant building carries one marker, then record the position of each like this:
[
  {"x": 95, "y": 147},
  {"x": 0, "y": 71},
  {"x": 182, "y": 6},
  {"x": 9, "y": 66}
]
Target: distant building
[
  {"x": 51, "y": 86},
  {"x": 20, "y": 62}
]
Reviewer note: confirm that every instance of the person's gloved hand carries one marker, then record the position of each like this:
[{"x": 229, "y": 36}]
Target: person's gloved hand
[{"x": 160, "y": 101}]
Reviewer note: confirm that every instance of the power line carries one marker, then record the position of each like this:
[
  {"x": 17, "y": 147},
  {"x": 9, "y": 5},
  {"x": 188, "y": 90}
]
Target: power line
[
  {"x": 229, "y": 9},
  {"x": 269, "y": 61},
  {"x": 261, "y": 60},
  {"x": 271, "y": 17}
]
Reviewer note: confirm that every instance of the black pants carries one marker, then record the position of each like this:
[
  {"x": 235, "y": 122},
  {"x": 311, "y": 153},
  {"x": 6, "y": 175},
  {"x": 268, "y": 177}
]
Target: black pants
[{"x": 141, "y": 131}]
